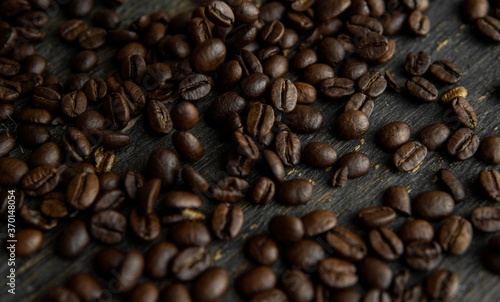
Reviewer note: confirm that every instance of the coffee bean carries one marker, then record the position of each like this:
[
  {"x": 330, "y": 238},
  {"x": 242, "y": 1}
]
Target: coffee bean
[
  {"x": 416, "y": 230},
  {"x": 376, "y": 216},
  {"x": 286, "y": 229},
  {"x": 34, "y": 64},
  {"x": 35, "y": 219},
  {"x": 260, "y": 120},
  {"x": 397, "y": 198},
  {"x": 491, "y": 257},
  {"x": 92, "y": 38},
  {"x": 72, "y": 240},
  {"x": 245, "y": 146},
  {"x": 194, "y": 87},
  {"x": 381, "y": 280},
  {"x": 423, "y": 256},
  {"x": 188, "y": 146},
  {"x": 409, "y": 156},
  {"x": 262, "y": 249},
  {"x": 176, "y": 292},
  {"x": 346, "y": 295},
  {"x": 227, "y": 221},
  {"x": 287, "y": 146},
  {"x": 53, "y": 205},
  {"x": 352, "y": 124},
  {"x": 256, "y": 280},
  {"x": 337, "y": 88},
  {"x": 146, "y": 292},
  {"x": 453, "y": 184},
  {"x": 116, "y": 110},
  {"x": 422, "y": 89},
  {"x": 433, "y": 205},
  {"x": 274, "y": 164},
  {"x": 113, "y": 139},
  {"x": 283, "y": 95},
  {"x": 85, "y": 286},
  {"x": 76, "y": 144},
  {"x": 164, "y": 164},
  {"x": 455, "y": 235},
  {"x": 295, "y": 192},
  {"x": 82, "y": 190},
  {"x": 357, "y": 164},
  {"x": 6, "y": 111},
  {"x": 417, "y": 65},
  {"x": 490, "y": 183},
  {"x": 190, "y": 263},
  {"x": 486, "y": 219},
  {"x": 392, "y": 82},
  {"x": 74, "y": 104},
  {"x": 128, "y": 272},
  {"x": 377, "y": 295},
  {"x": 316, "y": 73},
  {"x": 306, "y": 93},
  {"x": 361, "y": 102},
  {"x": 434, "y": 136},
  {"x": 373, "y": 46},
  {"x": 32, "y": 135},
  {"x": 372, "y": 84},
  {"x": 146, "y": 226},
  {"x": 304, "y": 58},
  {"x": 77, "y": 82},
  {"x": 29, "y": 242},
  {"x": 211, "y": 285},
  {"x": 194, "y": 180},
  {"x": 393, "y": 135},
  {"x": 109, "y": 181},
  {"x": 8, "y": 38},
  {"x": 223, "y": 106},
  {"x": 305, "y": 254},
  {"x": 35, "y": 116},
  {"x": 272, "y": 32},
  {"x": 489, "y": 150},
  {"x": 46, "y": 98},
  {"x": 108, "y": 226},
  {"x": 12, "y": 171},
  {"x": 446, "y": 71},
  {"x": 464, "y": 112},
  {"x": 263, "y": 191},
  {"x": 85, "y": 61},
  {"x": 337, "y": 273},
  {"x": 158, "y": 258},
  {"x": 489, "y": 27},
  {"x": 463, "y": 144},
  {"x": 109, "y": 200},
  {"x": 41, "y": 180},
  {"x": 442, "y": 284},
  {"x": 319, "y": 155},
  {"x": 7, "y": 144},
  {"x": 8, "y": 67},
  {"x": 419, "y": 23},
  {"x": 71, "y": 29},
  {"x": 159, "y": 117},
  {"x": 304, "y": 119},
  {"x": 229, "y": 189},
  {"x": 346, "y": 243},
  {"x": 386, "y": 243},
  {"x": 208, "y": 56}
]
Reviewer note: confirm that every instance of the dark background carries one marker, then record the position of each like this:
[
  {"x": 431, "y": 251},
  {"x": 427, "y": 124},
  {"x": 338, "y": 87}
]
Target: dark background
[{"x": 449, "y": 39}]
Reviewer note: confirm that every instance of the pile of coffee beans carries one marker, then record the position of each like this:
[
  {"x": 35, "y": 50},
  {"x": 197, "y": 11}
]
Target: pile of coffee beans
[{"x": 238, "y": 54}]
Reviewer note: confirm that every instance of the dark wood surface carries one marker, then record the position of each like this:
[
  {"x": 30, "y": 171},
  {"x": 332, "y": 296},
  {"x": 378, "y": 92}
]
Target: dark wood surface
[{"x": 449, "y": 39}]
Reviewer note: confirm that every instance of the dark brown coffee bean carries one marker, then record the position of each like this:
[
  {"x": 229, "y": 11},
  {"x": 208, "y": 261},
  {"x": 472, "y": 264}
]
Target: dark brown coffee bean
[
  {"x": 194, "y": 87},
  {"x": 393, "y": 135},
  {"x": 423, "y": 256},
  {"x": 272, "y": 32},
  {"x": 372, "y": 84},
  {"x": 464, "y": 112},
  {"x": 71, "y": 29},
  {"x": 283, "y": 95},
  {"x": 9, "y": 68},
  {"x": 489, "y": 150},
  {"x": 46, "y": 98},
  {"x": 260, "y": 120},
  {"x": 304, "y": 58},
  {"x": 381, "y": 280},
  {"x": 442, "y": 284},
  {"x": 330, "y": 9},
  {"x": 188, "y": 146},
  {"x": 347, "y": 244},
  {"x": 117, "y": 110},
  {"x": 453, "y": 184},
  {"x": 295, "y": 192},
  {"x": 446, "y": 71},
  {"x": 305, "y": 254},
  {"x": 109, "y": 200},
  {"x": 361, "y": 102},
  {"x": 360, "y": 25},
  {"x": 419, "y": 23},
  {"x": 373, "y": 46},
  {"x": 85, "y": 61},
  {"x": 489, "y": 27},
  {"x": 262, "y": 249},
  {"x": 319, "y": 155},
  {"x": 72, "y": 240},
  {"x": 416, "y": 230},
  {"x": 92, "y": 38},
  {"x": 29, "y": 242},
  {"x": 208, "y": 56},
  {"x": 146, "y": 292},
  {"x": 164, "y": 164},
  {"x": 376, "y": 216},
  {"x": 6, "y": 111},
  {"x": 76, "y": 144},
  {"x": 53, "y": 205},
  {"x": 106, "y": 18},
  {"x": 176, "y": 292},
  {"x": 306, "y": 93},
  {"x": 422, "y": 89},
  {"x": 354, "y": 69},
  {"x": 345, "y": 295},
  {"x": 245, "y": 146},
  {"x": 35, "y": 116},
  {"x": 337, "y": 88},
  {"x": 274, "y": 164},
  {"x": 397, "y": 197},
  {"x": 79, "y": 9},
  {"x": 434, "y": 136},
  {"x": 287, "y": 145},
  {"x": 41, "y": 180},
  {"x": 12, "y": 170},
  {"x": 159, "y": 117},
  {"x": 158, "y": 259},
  {"x": 318, "y": 221},
  {"x": 211, "y": 285},
  {"x": 223, "y": 106},
  {"x": 190, "y": 263},
  {"x": 32, "y": 135},
  {"x": 35, "y": 219},
  {"x": 455, "y": 235},
  {"x": 337, "y": 273},
  {"x": 82, "y": 190},
  {"x": 229, "y": 189},
  {"x": 8, "y": 38},
  {"x": 74, "y": 104},
  {"x": 7, "y": 144},
  {"x": 262, "y": 191},
  {"x": 463, "y": 144},
  {"x": 386, "y": 243},
  {"x": 316, "y": 73},
  {"x": 109, "y": 181},
  {"x": 77, "y": 82},
  {"x": 392, "y": 82},
  {"x": 297, "y": 286},
  {"x": 146, "y": 226},
  {"x": 286, "y": 229},
  {"x": 417, "y": 65},
  {"x": 133, "y": 69},
  {"x": 113, "y": 139},
  {"x": 194, "y": 180},
  {"x": 184, "y": 116},
  {"x": 256, "y": 280},
  {"x": 486, "y": 219},
  {"x": 304, "y": 119},
  {"x": 490, "y": 183},
  {"x": 108, "y": 226},
  {"x": 34, "y": 64},
  {"x": 475, "y": 9},
  {"x": 433, "y": 205},
  {"x": 351, "y": 124},
  {"x": 182, "y": 199},
  {"x": 409, "y": 156},
  {"x": 128, "y": 272},
  {"x": 491, "y": 257},
  {"x": 227, "y": 221}
]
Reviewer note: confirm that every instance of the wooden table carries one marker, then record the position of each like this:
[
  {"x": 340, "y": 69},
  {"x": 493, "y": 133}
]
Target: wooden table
[{"x": 449, "y": 39}]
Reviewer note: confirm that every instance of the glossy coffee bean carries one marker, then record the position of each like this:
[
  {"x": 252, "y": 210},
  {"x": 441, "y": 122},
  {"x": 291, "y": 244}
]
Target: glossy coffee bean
[
  {"x": 463, "y": 144},
  {"x": 455, "y": 235},
  {"x": 256, "y": 280},
  {"x": 416, "y": 230},
  {"x": 434, "y": 136},
  {"x": 41, "y": 180},
  {"x": 419, "y": 23},
  {"x": 442, "y": 284},
  {"x": 386, "y": 243},
  {"x": 423, "y": 256},
  {"x": 376, "y": 216},
  {"x": 85, "y": 286},
  {"x": 486, "y": 219},
  {"x": 296, "y": 285},
  {"x": 346, "y": 243},
  {"x": 397, "y": 198},
  {"x": 262, "y": 249},
  {"x": 433, "y": 205},
  {"x": 164, "y": 164},
  {"x": 263, "y": 190},
  {"x": 393, "y": 135},
  {"x": 409, "y": 156},
  {"x": 381, "y": 280},
  {"x": 446, "y": 71},
  {"x": 337, "y": 273},
  {"x": 29, "y": 242},
  {"x": 190, "y": 234},
  {"x": 129, "y": 272},
  {"x": 108, "y": 226},
  {"x": 211, "y": 285},
  {"x": 73, "y": 240},
  {"x": 190, "y": 263},
  {"x": 295, "y": 192},
  {"x": 422, "y": 89},
  {"x": 158, "y": 259},
  {"x": 194, "y": 180},
  {"x": 227, "y": 221},
  {"x": 305, "y": 254},
  {"x": 319, "y": 155},
  {"x": 417, "y": 65}
]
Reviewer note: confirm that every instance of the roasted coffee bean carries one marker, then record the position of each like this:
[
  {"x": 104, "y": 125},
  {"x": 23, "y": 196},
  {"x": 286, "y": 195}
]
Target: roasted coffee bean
[
  {"x": 489, "y": 150},
  {"x": 29, "y": 242},
  {"x": 393, "y": 135},
  {"x": 397, "y": 198},
  {"x": 133, "y": 68},
  {"x": 330, "y": 9},
  {"x": 351, "y": 124},
  {"x": 304, "y": 58},
  {"x": 71, "y": 29},
  {"x": 318, "y": 221},
  {"x": 77, "y": 82},
  {"x": 255, "y": 85},
  {"x": 146, "y": 292},
  {"x": 194, "y": 180},
  {"x": 373, "y": 46},
  {"x": 72, "y": 240},
  {"x": 290, "y": 39},
  {"x": 262, "y": 249},
  {"x": 409, "y": 156},
  {"x": 262, "y": 191},
  {"x": 190, "y": 263},
  {"x": 176, "y": 292},
  {"x": 381, "y": 280},
  {"x": 146, "y": 226},
  {"x": 184, "y": 116},
  {"x": 423, "y": 256},
  {"x": 182, "y": 199},
  {"x": 34, "y": 116},
  {"x": 8, "y": 67},
  {"x": 376, "y": 295},
  {"x": 357, "y": 164},
  {"x": 295, "y": 192},
  {"x": 372, "y": 84},
  {"x": 238, "y": 165},
  {"x": 300, "y": 21},
  {"x": 451, "y": 94},
  {"x": 128, "y": 272},
  {"x": 82, "y": 190},
  {"x": 6, "y": 111},
  {"x": 24, "y": 83},
  {"x": 194, "y": 87},
  {"x": 422, "y": 89},
  {"x": 211, "y": 285},
  {"x": 109, "y": 200},
  {"x": 199, "y": 30},
  {"x": 392, "y": 82},
  {"x": 442, "y": 284},
  {"x": 245, "y": 146},
  {"x": 74, "y": 104},
  {"x": 225, "y": 104},
  {"x": 433, "y": 205},
  {"x": 159, "y": 117},
  {"x": 345, "y": 295},
  {"x": 46, "y": 98},
  {"x": 416, "y": 230},
  {"x": 132, "y": 183},
  {"x": 90, "y": 121},
  {"x": 288, "y": 147},
  {"x": 296, "y": 285},
  {"x": 455, "y": 235},
  {"x": 304, "y": 119},
  {"x": 434, "y": 136},
  {"x": 208, "y": 56},
  {"x": 286, "y": 229},
  {"x": 188, "y": 146},
  {"x": 386, "y": 243},
  {"x": 122, "y": 36},
  {"x": 346, "y": 244},
  {"x": 337, "y": 273},
  {"x": 41, "y": 180},
  {"x": 283, "y": 95},
  {"x": 227, "y": 221},
  {"x": 220, "y": 13},
  {"x": 12, "y": 171},
  {"x": 376, "y": 216},
  {"x": 489, "y": 27},
  {"x": 272, "y": 32},
  {"x": 464, "y": 112},
  {"x": 463, "y": 144},
  {"x": 486, "y": 219},
  {"x": 446, "y": 71},
  {"x": 453, "y": 184},
  {"x": 475, "y": 9},
  {"x": 116, "y": 110},
  {"x": 305, "y": 254},
  {"x": 316, "y": 73},
  {"x": 79, "y": 9},
  {"x": 35, "y": 219},
  {"x": 147, "y": 195},
  {"x": 419, "y": 23},
  {"x": 53, "y": 205},
  {"x": 76, "y": 144},
  {"x": 85, "y": 61},
  {"x": 417, "y": 65},
  {"x": 7, "y": 144},
  {"x": 230, "y": 74},
  {"x": 260, "y": 120},
  {"x": 113, "y": 139},
  {"x": 34, "y": 64},
  {"x": 8, "y": 38},
  {"x": 353, "y": 69},
  {"x": 490, "y": 183},
  {"x": 92, "y": 38},
  {"x": 361, "y": 102},
  {"x": 109, "y": 181},
  {"x": 164, "y": 164},
  {"x": 274, "y": 164},
  {"x": 337, "y": 88},
  {"x": 256, "y": 280},
  {"x": 492, "y": 255},
  {"x": 360, "y": 25},
  {"x": 108, "y": 226},
  {"x": 106, "y": 18},
  {"x": 32, "y": 135},
  {"x": 306, "y": 93},
  {"x": 229, "y": 189},
  {"x": 319, "y": 155},
  {"x": 158, "y": 259}
]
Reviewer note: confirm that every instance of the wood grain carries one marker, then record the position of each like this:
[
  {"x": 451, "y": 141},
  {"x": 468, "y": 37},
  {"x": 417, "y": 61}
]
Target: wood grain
[{"x": 449, "y": 39}]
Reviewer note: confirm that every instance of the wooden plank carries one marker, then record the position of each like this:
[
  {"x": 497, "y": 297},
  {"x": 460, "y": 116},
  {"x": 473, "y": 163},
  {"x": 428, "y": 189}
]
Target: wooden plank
[{"x": 449, "y": 39}]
